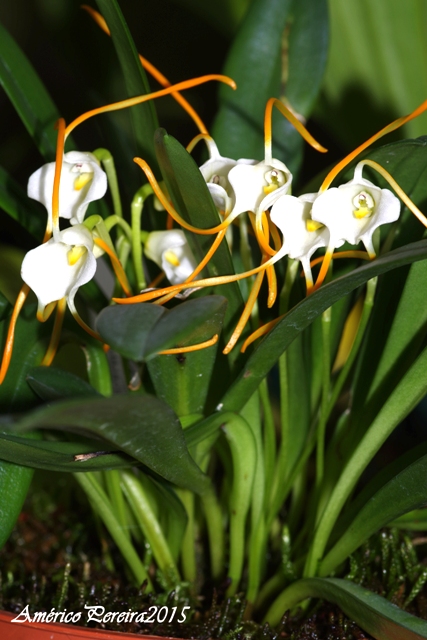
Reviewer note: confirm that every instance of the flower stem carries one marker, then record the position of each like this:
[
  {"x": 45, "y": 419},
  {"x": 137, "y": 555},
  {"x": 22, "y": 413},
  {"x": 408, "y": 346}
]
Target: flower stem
[{"x": 136, "y": 211}]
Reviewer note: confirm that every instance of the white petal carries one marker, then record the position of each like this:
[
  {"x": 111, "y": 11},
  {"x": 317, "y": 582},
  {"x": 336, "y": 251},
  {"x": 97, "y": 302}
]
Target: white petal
[
  {"x": 159, "y": 243},
  {"x": 48, "y": 273},
  {"x": 249, "y": 183},
  {"x": 290, "y": 215},
  {"x": 72, "y": 202}
]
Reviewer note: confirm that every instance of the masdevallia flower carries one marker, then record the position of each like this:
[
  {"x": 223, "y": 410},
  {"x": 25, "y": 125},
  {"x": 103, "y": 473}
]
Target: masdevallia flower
[
  {"x": 354, "y": 210},
  {"x": 82, "y": 181},
  {"x": 302, "y": 236},
  {"x": 57, "y": 268},
  {"x": 171, "y": 252}
]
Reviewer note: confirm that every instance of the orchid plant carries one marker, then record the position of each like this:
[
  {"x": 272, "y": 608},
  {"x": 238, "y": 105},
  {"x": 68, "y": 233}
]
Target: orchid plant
[{"x": 255, "y": 387}]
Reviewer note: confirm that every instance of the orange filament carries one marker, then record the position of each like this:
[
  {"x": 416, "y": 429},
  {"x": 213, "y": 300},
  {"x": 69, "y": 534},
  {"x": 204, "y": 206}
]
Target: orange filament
[
  {"x": 194, "y": 347},
  {"x": 56, "y": 333},
  {"x": 323, "y": 269},
  {"x": 116, "y": 264},
  {"x": 199, "y": 267},
  {"x": 206, "y": 282},
  {"x": 402, "y": 195},
  {"x": 156, "y": 280},
  {"x": 7, "y": 353},
  {"x": 246, "y": 312},
  {"x": 169, "y": 222},
  {"x": 83, "y": 324},
  {"x": 201, "y": 136},
  {"x": 260, "y": 332},
  {"x": 157, "y": 75},
  {"x": 362, "y": 255},
  {"x": 388, "y": 129},
  {"x": 272, "y": 286},
  {"x": 130, "y": 102},
  {"x": 60, "y": 126},
  {"x": 169, "y": 208},
  {"x": 262, "y": 233},
  {"x": 44, "y": 314},
  {"x": 275, "y": 102}
]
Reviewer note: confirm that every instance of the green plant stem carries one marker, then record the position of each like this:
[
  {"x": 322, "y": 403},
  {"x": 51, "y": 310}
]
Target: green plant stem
[
  {"x": 214, "y": 523},
  {"x": 281, "y": 470},
  {"x": 243, "y": 452},
  {"x": 115, "y": 493},
  {"x": 98, "y": 368},
  {"x": 112, "y": 221},
  {"x": 366, "y": 312},
  {"x": 326, "y": 382},
  {"x": 103, "y": 507},
  {"x": 398, "y": 405},
  {"x": 138, "y": 498},
  {"x": 269, "y": 442},
  {"x": 136, "y": 211},
  {"x": 188, "y": 551},
  {"x": 104, "y": 156}
]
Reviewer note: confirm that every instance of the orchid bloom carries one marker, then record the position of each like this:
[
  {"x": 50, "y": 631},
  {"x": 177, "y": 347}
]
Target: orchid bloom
[
  {"x": 57, "y": 268},
  {"x": 171, "y": 252},
  {"x": 353, "y": 211},
  {"x": 302, "y": 236},
  {"x": 215, "y": 171},
  {"x": 82, "y": 181}
]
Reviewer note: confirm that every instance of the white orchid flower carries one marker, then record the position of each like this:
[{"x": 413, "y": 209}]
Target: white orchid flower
[
  {"x": 353, "y": 211},
  {"x": 82, "y": 181},
  {"x": 57, "y": 268},
  {"x": 215, "y": 171},
  {"x": 171, "y": 252},
  {"x": 302, "y": 236}
]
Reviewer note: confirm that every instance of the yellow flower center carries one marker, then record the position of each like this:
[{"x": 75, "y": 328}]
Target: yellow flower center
[
  {"x": 82, "y": 180},
  {"x": 364, "y": 204},
  {"x": 75, "y": 253},
  {"x": 275, "y": 179},
  {"x": 313, "y": 225},
  {"x": 172, "y": 258}
]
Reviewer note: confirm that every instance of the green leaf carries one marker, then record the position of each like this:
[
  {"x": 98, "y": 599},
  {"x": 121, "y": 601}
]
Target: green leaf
[
  {"x": 143, "y": 116},
  {"x": 378, "y": 617},
  {"x": 51, "y": 383},
  {"x": 141, "y": 330},
  {"x": 126, "y": 328},
  {"x": 141, "y": 426},
  {"x": 14, "y": 484},
  {"x": 183, "y": 381},
  {"x": 60, "y": 456},
  {"x": 303, "y": 314},
  {"x": 31, "y": 340},
  {"x": 254, "y": 62},
  {"x": 392, "y": 35},
  {"x": 18, "y": 206},
  {"x": 403, "y": 493},
  {"x": 28, "y": 95}
]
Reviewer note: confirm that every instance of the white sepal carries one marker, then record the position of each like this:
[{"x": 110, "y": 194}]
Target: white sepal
[
  {"x": 82, "y": 181},
  {"x": 171, "y": 252}
]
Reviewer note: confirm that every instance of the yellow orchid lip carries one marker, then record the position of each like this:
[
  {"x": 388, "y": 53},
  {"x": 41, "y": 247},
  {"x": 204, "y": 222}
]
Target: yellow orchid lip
[
  {"x": 75, "y": 254},
  {"x": 82, "y": 180}
]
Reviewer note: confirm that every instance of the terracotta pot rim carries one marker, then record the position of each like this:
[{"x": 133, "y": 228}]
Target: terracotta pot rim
[{"x": 61, "y": 631}]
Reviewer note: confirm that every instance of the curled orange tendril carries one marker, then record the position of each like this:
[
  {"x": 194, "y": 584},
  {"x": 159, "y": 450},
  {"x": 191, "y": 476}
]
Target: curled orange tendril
[
  {"x": 131, "y": 102},
  {"x": 157, "y": 75}
]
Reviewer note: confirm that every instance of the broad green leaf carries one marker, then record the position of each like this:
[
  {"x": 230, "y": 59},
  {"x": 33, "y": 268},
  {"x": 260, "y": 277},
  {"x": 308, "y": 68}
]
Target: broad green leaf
[
  {"x": 31, "y": 341},
  {"x": 18, "y": 206},
  {"x": 378, "y": 617},
  {"x": 28, "y": 95},
  {"x": 193, "y": 201},
  {"x": 308, "y": 49},
  {"x": 60, "y": 456},
  {"x": 51, "y": 383},
  {"x": 141, "y": 426},
  {"x": 393, "y": 35},
  {"x": 141, "y": 330},
  {"x": 126, "y": 328},
  {"x": 403, "y": 493},
  {"x": 143, "y": 116},
  {"x": 303, "y": 314},
  {"x": 254, "y": 62},
  {"x": 183, "y": 381},
  {"x": 408, "y": 393},
  {"x": 14, "y": 484}
]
